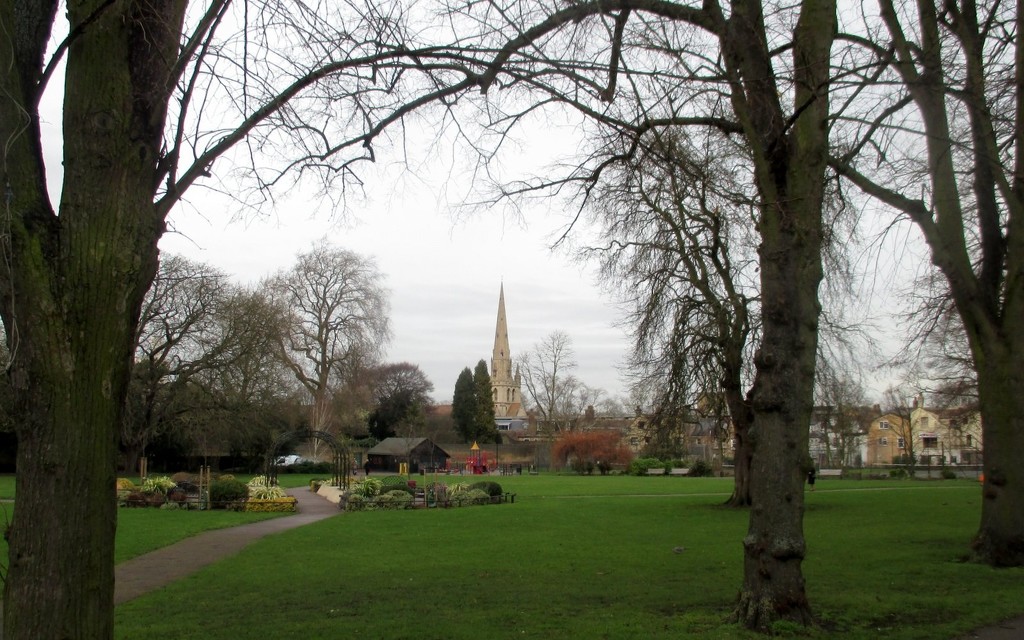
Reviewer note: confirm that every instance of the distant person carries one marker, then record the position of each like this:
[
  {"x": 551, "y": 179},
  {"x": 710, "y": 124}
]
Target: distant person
[
  {"x": 811, "y": 477},
  {"x": 366, "y": 467}
]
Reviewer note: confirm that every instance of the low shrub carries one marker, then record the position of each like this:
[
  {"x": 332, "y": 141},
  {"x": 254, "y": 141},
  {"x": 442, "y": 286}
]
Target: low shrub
[
  {"x": 897, "y": 473},
  {"x": 470, "y": 496},
  {"x": 231, "y": 490},
  {"x": 948, "y": 474},
  {"x": 369, "y": 487},
  {"x": 264, "y": 492},
  {"x": 124, "y": 484},
  {"x": 639, "y": 466},
  {"x": 700, "y": 469},
  {"x": 308, "y": 466},
  {"x": 394, "y": 482},
  {"x": 353, "y": 502},
  {"x": 489, "y": 487},
  {"x": 271, "y": 505},
  {"x": 158, "y": 484},
  {"x": 394, "y": 499}
]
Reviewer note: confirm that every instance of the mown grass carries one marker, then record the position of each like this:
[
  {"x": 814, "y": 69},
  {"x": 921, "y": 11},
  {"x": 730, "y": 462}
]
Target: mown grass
[
  {"x": 594, "y": 557},
  {"x": 6, "y": 486}
]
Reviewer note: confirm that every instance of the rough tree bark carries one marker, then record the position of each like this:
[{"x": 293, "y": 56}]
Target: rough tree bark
[
  {"x": 72, "y": 291},
  {"x": 789, "y": 154}
]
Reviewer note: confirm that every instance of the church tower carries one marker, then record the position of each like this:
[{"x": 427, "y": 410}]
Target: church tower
[{"x": 506, "y": 388}]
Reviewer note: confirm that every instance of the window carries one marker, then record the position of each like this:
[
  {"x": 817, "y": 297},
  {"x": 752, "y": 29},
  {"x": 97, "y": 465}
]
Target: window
[
  {"x": 924, "y": 422},
  {"x": 901, "y": 443},
  {"x": 930, "y": 442},
  {"x": 884, "y": 424},
  {"x": 883, "y": 441},
  {"x": 969, "y": 439}
]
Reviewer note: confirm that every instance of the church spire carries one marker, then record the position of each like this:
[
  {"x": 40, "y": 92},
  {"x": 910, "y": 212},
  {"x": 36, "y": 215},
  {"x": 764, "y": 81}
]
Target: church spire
[
  {"x": 504, "y": 386},
  {"x": 501, "y": 357}
]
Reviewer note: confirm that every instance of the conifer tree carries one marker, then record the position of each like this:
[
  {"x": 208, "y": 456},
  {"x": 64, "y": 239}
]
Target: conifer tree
[
  {"x": 485, "y": 428},
  {"x": 465, "y": 405}
]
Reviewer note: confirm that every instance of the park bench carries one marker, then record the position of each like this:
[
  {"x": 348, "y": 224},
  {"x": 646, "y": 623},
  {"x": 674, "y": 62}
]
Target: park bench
[
  {"x": 679, "y": 471},
  {"x": 830, "y": 473},
  {"x": 659, "y": 471}
]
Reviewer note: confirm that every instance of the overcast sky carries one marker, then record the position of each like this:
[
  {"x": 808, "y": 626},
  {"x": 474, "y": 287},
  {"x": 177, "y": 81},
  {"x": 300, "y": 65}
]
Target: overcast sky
[{"x": 443, "y": 275}]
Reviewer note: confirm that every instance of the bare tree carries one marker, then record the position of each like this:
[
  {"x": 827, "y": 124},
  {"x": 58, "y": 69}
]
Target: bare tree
[
  {"x": 678, "y": 251},
  {"x": 936, "y": 135},
  {"x": 251, "y": 396},
  {"x": 557, "y": 395},
  {"x": 841, "y": 415},
  {"x": 178, "y": 339},
  {"x": 336, "y": 323}
]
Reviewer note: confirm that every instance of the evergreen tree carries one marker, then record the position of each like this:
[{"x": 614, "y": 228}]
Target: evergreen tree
[
  {"x": 465, "y": 405},
  {"x": 486, "y": 431}
]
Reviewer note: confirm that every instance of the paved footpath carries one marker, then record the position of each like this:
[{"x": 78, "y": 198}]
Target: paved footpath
[{"x": 156, "y": 569}]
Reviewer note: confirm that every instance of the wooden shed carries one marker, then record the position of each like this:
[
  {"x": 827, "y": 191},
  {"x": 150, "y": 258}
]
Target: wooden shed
[{"x": 420, "y": 453}]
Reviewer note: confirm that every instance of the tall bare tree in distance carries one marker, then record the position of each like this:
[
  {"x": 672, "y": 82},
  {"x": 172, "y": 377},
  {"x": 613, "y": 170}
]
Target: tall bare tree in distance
[
  {"x": 555, "y": 393},
  {"x": 336, "y": 320}
]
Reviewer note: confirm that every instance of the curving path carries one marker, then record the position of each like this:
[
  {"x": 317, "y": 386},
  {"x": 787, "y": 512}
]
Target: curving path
[{"x": 156, "y": 569}]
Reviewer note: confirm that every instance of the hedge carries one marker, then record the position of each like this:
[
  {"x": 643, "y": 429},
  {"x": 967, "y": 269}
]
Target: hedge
[{"x": 277, "y": 505}]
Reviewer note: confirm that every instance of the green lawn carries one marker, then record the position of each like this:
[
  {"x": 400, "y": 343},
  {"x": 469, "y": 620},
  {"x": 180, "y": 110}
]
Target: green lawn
[
  {"x": 6, "y": 486},
  {"x": 613, "y": 557}
]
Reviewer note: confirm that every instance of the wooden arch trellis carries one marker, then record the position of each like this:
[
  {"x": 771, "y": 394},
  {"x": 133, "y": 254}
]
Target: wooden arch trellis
[{"x": 341, "y": 466}]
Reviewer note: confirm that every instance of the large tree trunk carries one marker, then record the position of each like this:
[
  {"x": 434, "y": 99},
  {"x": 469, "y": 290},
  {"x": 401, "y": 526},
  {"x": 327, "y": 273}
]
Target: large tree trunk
[
  {"x": 789, "y": 155},
  {"x": 70, "y": 302},
  {"x": 773, "y": 584},
  {"x": 1000, "y": 538}
]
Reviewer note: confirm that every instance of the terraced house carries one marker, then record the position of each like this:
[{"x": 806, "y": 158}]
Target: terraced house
[{"x": 930, "y": 435}]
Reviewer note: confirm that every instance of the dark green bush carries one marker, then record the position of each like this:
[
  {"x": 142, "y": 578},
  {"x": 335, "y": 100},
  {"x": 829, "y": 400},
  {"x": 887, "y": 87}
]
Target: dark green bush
[
  {"x": 395, "y": 482},
  {"x": 948, "y": 474},
  {"x": 229, "y": 490},
  {"x": 489, "y": 487},
  {"x": 393, "y": 499},
  {"x": 700, "y": 469},
  {"x": 897, "y": 473},
  {"x": 308, "y": 466},
  {"x": 639, "y": 466}
]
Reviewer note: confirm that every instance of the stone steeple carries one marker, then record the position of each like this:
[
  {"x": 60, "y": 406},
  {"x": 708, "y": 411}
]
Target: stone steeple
[{"x": 505, "y": 387}]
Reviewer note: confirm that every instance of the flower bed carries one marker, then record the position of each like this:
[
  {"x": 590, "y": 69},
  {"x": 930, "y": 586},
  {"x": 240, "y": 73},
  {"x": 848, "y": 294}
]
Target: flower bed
[
  {"x": 273, "y": 505},
  {"x": 375, "y": 495}
]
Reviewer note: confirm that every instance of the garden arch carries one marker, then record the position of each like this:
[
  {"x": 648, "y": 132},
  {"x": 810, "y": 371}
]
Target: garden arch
[{"x": 341, "y": 467}]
